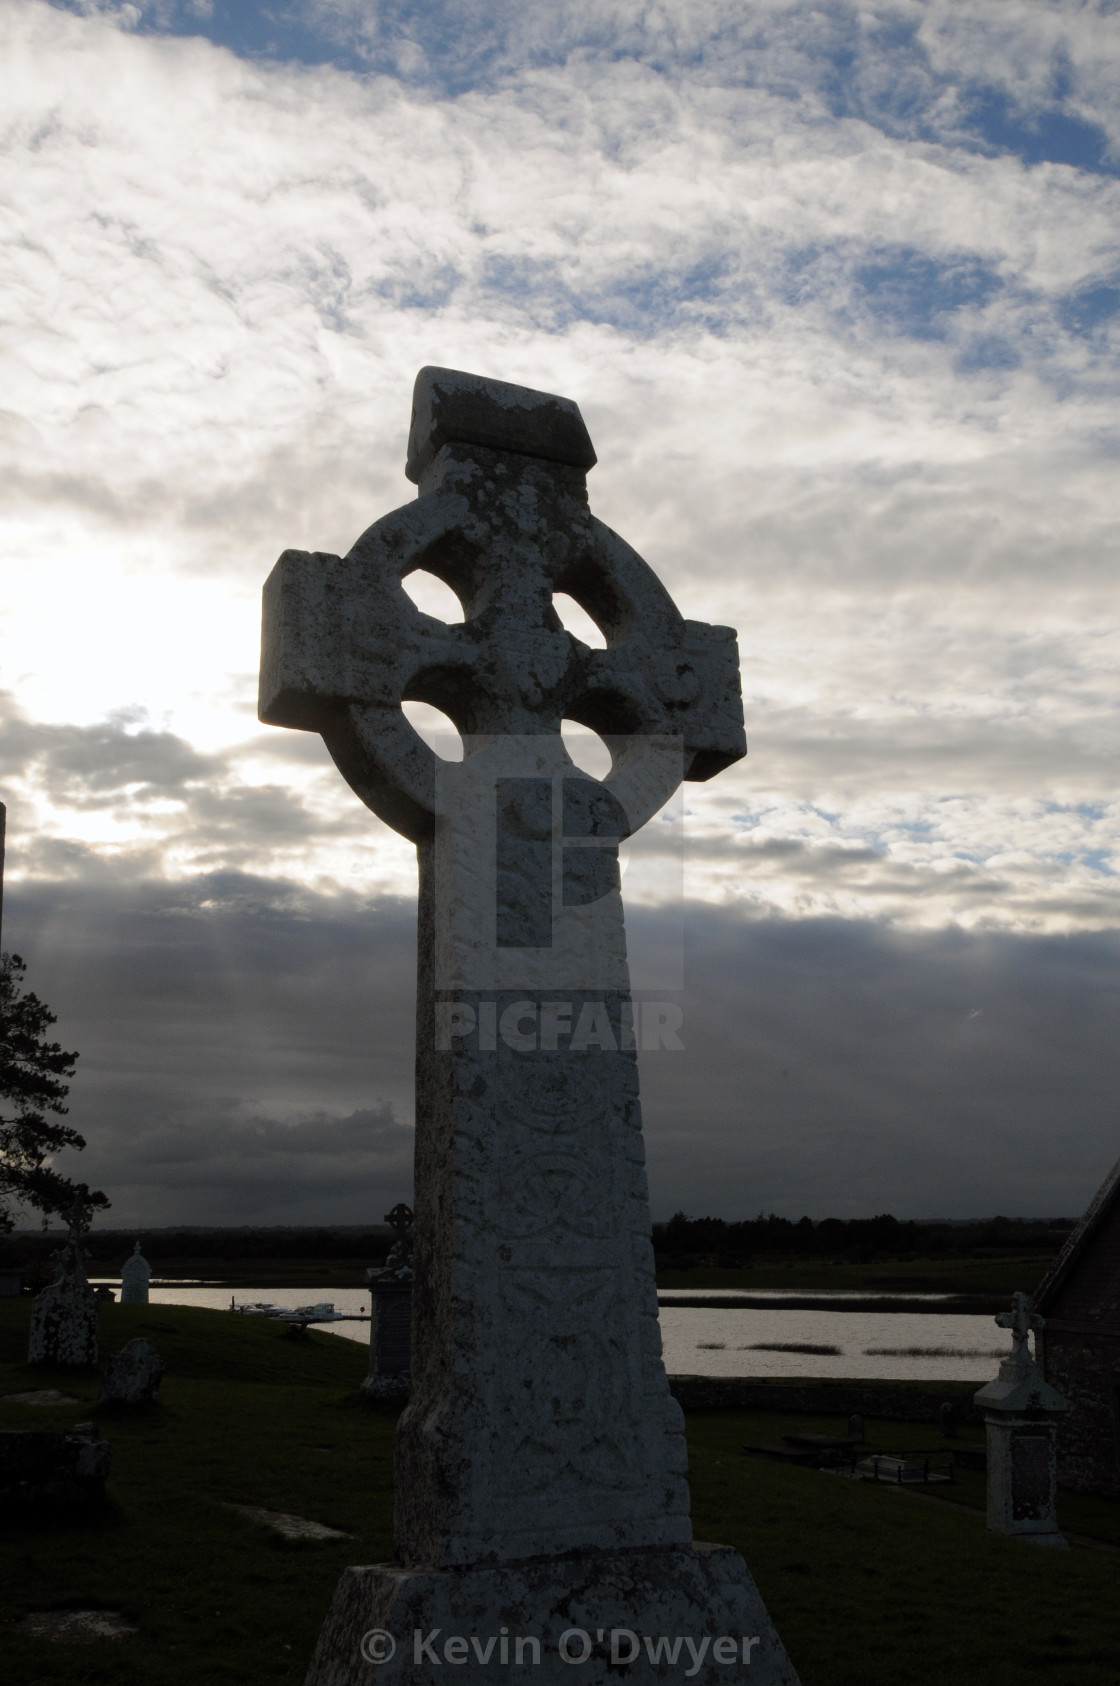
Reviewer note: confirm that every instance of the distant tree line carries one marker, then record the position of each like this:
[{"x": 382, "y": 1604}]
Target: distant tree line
[
  {"x": 679, "y": 1244},
  {"x": 684, "y": 1242}
]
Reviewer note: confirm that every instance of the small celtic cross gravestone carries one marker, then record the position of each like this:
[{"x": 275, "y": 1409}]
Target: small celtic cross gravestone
[
  {"x": 1020, "y": 1320},
  {"x": 400, "y": 1222},
  {"x": 1021, "y": 1416},
  {"x": 540, "y": 1465}
]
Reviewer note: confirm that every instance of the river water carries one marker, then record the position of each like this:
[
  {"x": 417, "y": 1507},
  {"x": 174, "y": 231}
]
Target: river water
[{"x": 735, "y": 1341}]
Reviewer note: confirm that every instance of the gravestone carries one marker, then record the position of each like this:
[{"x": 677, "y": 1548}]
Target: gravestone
[
  {"x": 541, "y": 1484},
  {"x": 390, "y": 1327},
  {"x": 45, "y": 1467},
  {"x": 64, "y": 1316},
  {"x": 136, "y": 1274},
  {"x": 133, "y": 1375},
  {"x": 1021, "y": 1414}
]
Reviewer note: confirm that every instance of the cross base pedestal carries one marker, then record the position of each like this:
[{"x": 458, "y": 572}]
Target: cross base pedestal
[
  {"x": 1057, "y": 1542},
  {"x": 645, "y": 1615},
  {"x": 391, "y": 1388}
]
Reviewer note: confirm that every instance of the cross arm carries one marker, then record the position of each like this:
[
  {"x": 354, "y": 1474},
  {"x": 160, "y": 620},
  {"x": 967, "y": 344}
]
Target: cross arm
[
  {"x": 661, "y": 676},
  {"x": 686, "y": 688},
  {"x": 340, "y": 642}
]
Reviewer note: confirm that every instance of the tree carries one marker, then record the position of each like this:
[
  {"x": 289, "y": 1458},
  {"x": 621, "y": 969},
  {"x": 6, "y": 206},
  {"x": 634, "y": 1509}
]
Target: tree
[{"x": 33, "y": 1075}]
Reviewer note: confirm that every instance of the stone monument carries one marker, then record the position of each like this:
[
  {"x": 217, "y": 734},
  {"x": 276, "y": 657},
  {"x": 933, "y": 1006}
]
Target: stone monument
[
  {"x": 44, "y": 1468},
  {"x": 1021, "y": 1413},
  {"x": 390, "y": 1326},
  {"x": 133, "y": 1375},
  {"x": 541, "y": 1489},
  {"x": 136, "y": 1274},
  {"x": 64, "y": 1317}
]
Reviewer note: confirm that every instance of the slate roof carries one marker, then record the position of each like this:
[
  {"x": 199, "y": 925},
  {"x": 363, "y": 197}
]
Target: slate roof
[{"x": 1104, "y": 1205}]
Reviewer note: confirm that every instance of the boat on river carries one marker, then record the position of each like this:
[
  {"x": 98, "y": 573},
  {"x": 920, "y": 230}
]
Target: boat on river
[{"x": 322, "y": 1311}]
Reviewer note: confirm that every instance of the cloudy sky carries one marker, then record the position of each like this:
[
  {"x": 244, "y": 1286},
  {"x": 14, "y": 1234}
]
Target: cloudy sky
[{"x": 837, "y": 288}]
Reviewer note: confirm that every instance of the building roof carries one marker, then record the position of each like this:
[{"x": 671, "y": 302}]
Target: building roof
[{"x": 1080, "y": 1241}]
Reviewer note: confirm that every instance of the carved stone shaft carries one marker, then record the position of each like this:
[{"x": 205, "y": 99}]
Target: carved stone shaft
[{"x": 541, "y": 1419}]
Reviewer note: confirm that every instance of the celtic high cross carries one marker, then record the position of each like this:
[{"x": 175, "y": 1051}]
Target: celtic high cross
[{"x": 540, "y": 1427}]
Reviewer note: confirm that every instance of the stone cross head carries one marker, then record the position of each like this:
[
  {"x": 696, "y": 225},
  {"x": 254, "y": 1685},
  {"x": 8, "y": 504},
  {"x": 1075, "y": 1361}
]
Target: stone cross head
[
  {"x": 400, "y": 1254},
  {"x": 1020, "y": 1320},
  {"x": 502, "y": 519},
  {"x": 399, "y": 1219}
]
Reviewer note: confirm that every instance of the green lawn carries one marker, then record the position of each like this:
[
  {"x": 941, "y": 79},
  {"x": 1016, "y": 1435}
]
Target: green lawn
[{"x": 866, "y": 1585}]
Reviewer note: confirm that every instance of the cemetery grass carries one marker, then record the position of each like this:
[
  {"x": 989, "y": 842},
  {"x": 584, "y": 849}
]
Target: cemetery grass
[
  {"x": 870, "y": 1586},
  {"x": 866, "y": 1585},
  {"x": 246, "y": 1416}
]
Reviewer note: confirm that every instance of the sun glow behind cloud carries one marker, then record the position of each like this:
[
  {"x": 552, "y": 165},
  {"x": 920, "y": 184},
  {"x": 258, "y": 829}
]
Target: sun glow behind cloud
[{"x": 847, "y": 351}]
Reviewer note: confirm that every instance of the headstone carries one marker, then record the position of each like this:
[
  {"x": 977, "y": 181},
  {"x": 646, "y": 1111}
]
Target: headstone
[
  {"x": 855, "y": 1427},
  {"x": 44, "y": 1466},
  {"x": 136, "y": 1273},
  {"x": 133, "y": 1375},
  {"x": 1021, "y": 1412},
  {"x": 947, "y": 1417},
  {"x": 64, "y": 1317},
  {"x": 541, "y": 1483},
  {"x": 390, "y": 1326}
]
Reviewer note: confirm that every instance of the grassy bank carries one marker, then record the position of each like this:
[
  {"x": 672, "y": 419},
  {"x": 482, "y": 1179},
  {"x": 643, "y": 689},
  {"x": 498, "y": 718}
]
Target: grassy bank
[{"x": 867, "y": 1585}]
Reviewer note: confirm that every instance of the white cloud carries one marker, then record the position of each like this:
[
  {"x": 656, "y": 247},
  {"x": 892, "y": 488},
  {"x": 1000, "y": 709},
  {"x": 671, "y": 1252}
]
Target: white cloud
[{"x": 826, "y": 351}]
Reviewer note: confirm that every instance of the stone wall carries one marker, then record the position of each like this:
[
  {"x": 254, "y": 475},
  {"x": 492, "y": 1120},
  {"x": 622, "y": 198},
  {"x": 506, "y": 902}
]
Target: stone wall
[
  {"x": 899, "y": 1403},
  {"x": 1086, "y": 1369}
]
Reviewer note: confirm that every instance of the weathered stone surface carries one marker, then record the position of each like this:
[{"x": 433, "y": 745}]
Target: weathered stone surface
[
  {"x": 133, "y": 1375},
  {"x": 450, "y": 407},
  {"x": 291, "y": 1527},
  {"x": 136, "y": 1274},
  {"x": 64, "y": 1318},
  {"x": 1079, "y": 1348},
  {"x": 390, "y": 1343},
  {"x": 343, "y": 644},
  {"x": 588, "y": 1602},
  {"x": 540, "y": 1425},
  {"x": 76, "y": 1627},
  {"x": 45, "y": 1396},
  {"x": 390, "y": 1329},
  {"x": 44, "y": 1466},
  {"x": 1021, "y": 1412}
]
